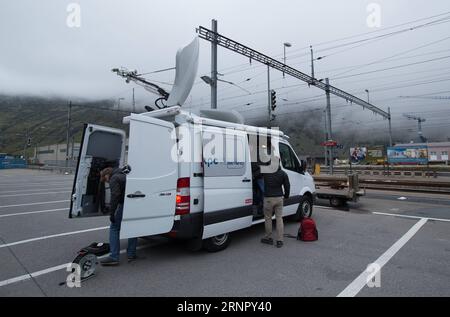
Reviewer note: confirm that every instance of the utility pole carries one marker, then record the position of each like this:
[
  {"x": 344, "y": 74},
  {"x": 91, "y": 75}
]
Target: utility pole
[
  {"x": 26, "y": 144},
  {"x": 286, "y": 44},
  {"x": 214, "y": 66},
  {"x": 326, "y": 135},
  {"x": 420, "y": 128},
  {"x": 69, "y": 113},
  {"x": 312, "y": 63},
  {"x": 73, "y": 146},
  {"x": 134, "y": 103},
  {"x": 390, "y": 127},
  {"x": 329, "y": 134},
  {"x": 269, "y": 102}
]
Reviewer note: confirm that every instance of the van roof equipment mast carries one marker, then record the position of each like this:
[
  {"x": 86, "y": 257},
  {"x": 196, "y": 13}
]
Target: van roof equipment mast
[{"x": 141, "y": 81}]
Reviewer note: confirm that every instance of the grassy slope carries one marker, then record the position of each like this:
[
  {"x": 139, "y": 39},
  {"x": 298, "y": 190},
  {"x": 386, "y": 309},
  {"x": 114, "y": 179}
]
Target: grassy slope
[
  {"x": 46, "y": 120},
  {"x": 17, "y": 114}
]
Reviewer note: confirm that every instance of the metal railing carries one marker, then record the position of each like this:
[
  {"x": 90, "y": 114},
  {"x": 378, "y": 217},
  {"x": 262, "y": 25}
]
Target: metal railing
[{"x": 390, "y": 171}]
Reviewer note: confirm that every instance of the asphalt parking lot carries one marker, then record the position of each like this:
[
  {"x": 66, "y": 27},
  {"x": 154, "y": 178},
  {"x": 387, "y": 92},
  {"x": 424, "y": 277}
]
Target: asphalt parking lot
[{"x": 408, "y": 238}]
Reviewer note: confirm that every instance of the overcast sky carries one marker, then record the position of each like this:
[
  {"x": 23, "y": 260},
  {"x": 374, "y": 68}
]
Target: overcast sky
[{"x": 41, "y": 54}]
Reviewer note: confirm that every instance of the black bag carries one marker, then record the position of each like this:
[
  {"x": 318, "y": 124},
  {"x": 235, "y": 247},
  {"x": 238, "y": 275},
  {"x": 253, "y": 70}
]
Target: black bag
[{"x": 97, "y": 249}]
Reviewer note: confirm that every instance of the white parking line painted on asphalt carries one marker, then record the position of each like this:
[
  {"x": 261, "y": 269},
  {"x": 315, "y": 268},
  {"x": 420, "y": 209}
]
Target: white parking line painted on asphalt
[
  {"x": 20, "y": 188},
  {"x": 47, "y": 187},
  {"x": 42, "y": 186},
  {"x": 21, "y": 179},
  {"x": 33, "y": 212},
  {"x": 54, "y": 269},
  {"x": 43, "y": 183},
  {"x": 324, "y": 207},
  {"x": 410, "y": 217},
  {"x": 358, "y": 284},
  {"x": 51, "y": 236},
  {"x": 35, "y": 274},
  {"x": 30, "y": 190},
  {"x": 32, "y": 204},
  {"x": 34, "y": 194}
]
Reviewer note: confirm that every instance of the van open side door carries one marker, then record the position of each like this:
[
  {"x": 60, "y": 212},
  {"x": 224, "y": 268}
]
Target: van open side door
[
  {"x": 150, "y": 194},
  {"x": 101, "y": 147},
  {"x": 228, "y": 192}
]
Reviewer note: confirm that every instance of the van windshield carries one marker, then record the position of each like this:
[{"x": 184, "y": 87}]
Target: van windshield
[{"x": 288, "y": 158}]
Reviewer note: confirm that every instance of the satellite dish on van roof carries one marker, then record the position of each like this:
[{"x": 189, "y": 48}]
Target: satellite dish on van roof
[{"x": 186, "y": 71}]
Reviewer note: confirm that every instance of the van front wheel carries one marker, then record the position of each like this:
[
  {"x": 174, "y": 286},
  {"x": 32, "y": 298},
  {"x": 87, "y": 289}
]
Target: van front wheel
[
  {"x": 304, "y": 209},
  {"x": 217, "y": 243}
]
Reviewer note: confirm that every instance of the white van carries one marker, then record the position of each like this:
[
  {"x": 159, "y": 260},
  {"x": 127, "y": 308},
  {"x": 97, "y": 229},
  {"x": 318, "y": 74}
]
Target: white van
[{"x": 177, "y": 183}]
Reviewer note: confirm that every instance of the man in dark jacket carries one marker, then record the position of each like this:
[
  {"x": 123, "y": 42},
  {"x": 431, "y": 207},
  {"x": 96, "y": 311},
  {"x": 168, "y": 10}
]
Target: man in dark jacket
[
  {"x": 117, "y": 180},
  {"x": 258, "y": 187},
  {"x": 274, "y": 183}
]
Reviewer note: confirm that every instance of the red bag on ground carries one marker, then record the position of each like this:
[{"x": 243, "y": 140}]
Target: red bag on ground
[{"x": 307, "y": 230}]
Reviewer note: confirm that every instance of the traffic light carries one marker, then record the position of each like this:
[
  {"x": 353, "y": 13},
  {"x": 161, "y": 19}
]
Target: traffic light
[
  {"x": 29, "y": 142},
  {"x": 273, "y": 99}
]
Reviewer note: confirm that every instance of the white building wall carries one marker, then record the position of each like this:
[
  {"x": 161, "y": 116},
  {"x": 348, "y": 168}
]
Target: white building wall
[{"x": 54, "y": 154}]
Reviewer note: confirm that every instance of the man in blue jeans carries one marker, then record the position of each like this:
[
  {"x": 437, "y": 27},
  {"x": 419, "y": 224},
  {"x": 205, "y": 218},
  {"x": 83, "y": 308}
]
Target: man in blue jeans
[{"x": 117, "y": 180}]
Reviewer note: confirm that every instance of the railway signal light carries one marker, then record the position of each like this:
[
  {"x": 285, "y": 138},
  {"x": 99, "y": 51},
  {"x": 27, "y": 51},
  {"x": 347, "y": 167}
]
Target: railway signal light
[{"x": 273, "y": 99}]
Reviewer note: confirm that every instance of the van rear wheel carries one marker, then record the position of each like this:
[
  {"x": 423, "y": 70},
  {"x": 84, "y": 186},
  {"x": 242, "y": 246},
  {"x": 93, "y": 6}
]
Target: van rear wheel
[{"x": 217, "y": 243}]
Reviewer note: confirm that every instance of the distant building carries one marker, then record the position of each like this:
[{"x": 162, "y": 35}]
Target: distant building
[
  {"x": 55, "y": 154},
  {"x": 437, "y": 151}
]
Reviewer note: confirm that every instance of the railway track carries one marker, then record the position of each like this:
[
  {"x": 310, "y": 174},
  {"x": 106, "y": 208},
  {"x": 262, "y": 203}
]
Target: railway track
[{"x": 424, "y": 186}]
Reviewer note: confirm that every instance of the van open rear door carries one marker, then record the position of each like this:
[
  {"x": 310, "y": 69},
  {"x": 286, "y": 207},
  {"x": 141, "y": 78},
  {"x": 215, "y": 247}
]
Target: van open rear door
[
  {"x": 150, "y": 194},
  {"x": 101, "y": 147}
]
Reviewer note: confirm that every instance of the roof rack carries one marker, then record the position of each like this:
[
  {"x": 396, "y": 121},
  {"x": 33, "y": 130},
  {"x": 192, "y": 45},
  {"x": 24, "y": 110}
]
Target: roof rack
[{"x": 190, "y": 117}]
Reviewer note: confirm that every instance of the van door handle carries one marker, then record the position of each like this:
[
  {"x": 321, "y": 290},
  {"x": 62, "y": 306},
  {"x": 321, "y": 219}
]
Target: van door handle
[
  {"x": 136, "y": 195},
  {"x": 246, "y": 180}
]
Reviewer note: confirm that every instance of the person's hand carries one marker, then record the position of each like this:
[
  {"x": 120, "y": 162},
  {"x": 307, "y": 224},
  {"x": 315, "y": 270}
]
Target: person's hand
[{"x": 112, "y": 217}]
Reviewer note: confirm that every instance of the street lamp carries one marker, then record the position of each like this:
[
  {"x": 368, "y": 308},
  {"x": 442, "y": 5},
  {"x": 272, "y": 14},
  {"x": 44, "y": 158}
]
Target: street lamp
[
  {"x": 208, "y": 81},
  {"x": 286, "y": 44},
  {"x": 368, "y": 100}
]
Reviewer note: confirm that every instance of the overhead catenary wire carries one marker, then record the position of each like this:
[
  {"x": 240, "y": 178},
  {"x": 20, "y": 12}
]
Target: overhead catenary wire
[
  {"x": 304, "y": 101},
  {"x": 343, "y": 39},
  {"x": 360, "y": 42},
  {"x": 382, "y": 88},
  {"x": 394, "y": 67},
  {"x": 389, "y": 58},
  {"x": 370, "y": 72},
  {"x": 375, "y": 31},
  {"x": 436, "y": 22},
  {"x": 392, "y": 56}
]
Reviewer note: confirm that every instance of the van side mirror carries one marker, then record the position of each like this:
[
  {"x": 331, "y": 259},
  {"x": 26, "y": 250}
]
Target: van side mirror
[{"x": 303, "y": 167}]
